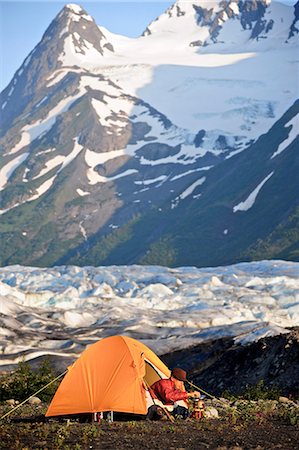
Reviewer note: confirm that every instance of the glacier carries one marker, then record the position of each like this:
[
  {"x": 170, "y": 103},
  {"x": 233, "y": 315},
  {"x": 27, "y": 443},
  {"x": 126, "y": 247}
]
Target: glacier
[{"x": 61, "y": 310}]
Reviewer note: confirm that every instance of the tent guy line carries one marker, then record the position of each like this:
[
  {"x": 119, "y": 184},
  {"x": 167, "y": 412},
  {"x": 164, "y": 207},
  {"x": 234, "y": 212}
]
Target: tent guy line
[
  {"x": 33, "y": 395},
  {"x": 131, "y": 369}
]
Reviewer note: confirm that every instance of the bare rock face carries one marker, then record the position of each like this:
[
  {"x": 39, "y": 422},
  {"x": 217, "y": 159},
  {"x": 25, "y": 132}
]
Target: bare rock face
[
  {"x": 222, "y": 365},
  {"x": 250, "y": 13},
  {"x": 294, "y": 29}
]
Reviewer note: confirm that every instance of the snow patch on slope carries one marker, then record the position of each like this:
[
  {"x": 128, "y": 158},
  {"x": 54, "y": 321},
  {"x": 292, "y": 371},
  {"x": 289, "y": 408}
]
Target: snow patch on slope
[
  {"x": 249, "y": 202},
  {"x": 9, "y": 168},
  {"x": 190, "y": 189},
  {"x": 293, "y": 133},
  {"x": 64, "y": 161},
  {"x": 44, "y": 187}
]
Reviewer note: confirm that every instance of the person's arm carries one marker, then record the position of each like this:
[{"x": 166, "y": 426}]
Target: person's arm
[
  {"x": 167, "y": 393},
  {"x": 174, "y": 395}
]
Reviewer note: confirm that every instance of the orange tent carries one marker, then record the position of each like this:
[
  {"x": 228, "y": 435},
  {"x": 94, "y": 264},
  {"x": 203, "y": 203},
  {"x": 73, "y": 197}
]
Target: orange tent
[{"x": 109, "y": 376}]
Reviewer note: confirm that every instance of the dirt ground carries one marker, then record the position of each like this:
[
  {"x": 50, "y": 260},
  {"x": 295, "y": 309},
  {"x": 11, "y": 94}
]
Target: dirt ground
[{"x": 182, "y": 435}]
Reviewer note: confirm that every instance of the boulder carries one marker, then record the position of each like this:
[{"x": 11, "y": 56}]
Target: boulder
[
  {"x": 34, "y": 401},
  {"x": 12, "y": 402},
  {"x": 211, "y": 413}
]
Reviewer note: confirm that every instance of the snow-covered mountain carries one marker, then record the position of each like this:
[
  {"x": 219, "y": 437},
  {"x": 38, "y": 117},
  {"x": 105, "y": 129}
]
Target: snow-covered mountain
[
  {"x": 72, "y": 39},
  {"x": 108, "y": 142},
  {"x": 229, "y": 23},
  {"x": 167, "y": 309}
]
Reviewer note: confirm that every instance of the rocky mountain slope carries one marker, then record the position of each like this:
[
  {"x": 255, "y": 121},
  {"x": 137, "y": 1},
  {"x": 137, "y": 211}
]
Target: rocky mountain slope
[
  {"x": 161, "y": 149},
  {"x": 221, "y": 365}
]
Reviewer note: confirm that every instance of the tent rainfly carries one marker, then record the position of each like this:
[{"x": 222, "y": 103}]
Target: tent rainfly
[{"x": 110, "y": 375}]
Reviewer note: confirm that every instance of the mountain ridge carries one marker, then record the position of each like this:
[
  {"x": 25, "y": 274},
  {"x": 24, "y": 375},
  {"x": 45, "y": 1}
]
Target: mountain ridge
[{"x": 91, "y": 148}]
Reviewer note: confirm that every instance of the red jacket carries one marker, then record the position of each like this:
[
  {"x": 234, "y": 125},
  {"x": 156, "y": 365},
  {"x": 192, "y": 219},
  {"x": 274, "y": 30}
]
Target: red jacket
[{"x": 166, "y": 391}]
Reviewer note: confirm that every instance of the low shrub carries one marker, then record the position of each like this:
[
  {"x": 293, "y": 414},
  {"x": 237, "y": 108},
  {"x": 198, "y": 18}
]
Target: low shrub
[
  {"x": 256, "y": 392},
  {"x": 261, "y": 392},
  {"x": 24, "y": 382}
]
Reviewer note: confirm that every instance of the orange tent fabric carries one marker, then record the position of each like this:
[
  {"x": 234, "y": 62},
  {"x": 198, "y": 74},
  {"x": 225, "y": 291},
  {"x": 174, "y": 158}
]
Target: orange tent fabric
[{"x": 108, "y": 376}]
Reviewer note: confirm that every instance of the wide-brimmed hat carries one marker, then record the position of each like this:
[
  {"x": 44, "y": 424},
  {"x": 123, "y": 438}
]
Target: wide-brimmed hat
[{"x": 179, "y": 374}]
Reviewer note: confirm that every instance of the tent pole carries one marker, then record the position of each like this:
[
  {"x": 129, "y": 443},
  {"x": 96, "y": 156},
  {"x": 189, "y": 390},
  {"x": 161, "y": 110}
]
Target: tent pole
[
  {"x": 165, "y": 410},
  {"x": 97, "y": 417}
]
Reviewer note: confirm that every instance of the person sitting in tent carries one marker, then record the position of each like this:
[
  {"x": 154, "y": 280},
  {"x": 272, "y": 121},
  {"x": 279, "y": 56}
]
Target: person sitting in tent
[{"x": 171, "y": 392}]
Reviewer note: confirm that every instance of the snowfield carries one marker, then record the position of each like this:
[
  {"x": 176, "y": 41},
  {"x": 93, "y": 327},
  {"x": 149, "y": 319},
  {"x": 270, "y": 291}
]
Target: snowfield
[
  {"x": 61, "y": 310},
  {"x": 178, "y": 79}
]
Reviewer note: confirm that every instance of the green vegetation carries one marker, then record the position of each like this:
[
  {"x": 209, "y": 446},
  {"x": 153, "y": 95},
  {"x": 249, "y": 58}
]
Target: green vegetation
[
  {"x": 256, "y": 420},
  {"x": 282, "y": 243},
  {"x": 261, "y": 392},
  {"x": 161, "y": 252},
  {"x": 255, "y": 427},
  {"x": 256, "y": 392},
  {"x": 24, "y": 382},
  {"x": 107, "y": 244}
]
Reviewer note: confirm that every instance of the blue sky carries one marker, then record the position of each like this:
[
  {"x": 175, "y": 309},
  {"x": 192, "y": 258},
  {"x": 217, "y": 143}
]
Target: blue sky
[{"x": 22, "y": 24}]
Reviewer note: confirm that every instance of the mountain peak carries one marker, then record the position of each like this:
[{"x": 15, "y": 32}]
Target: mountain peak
[
  {"x": 80, "y": 34},
  {"x": 72, "y": 39},
  {"x": 74, "y": 7},
  {"x": 75, "y": 12},
  {"x": 226, "y": 23}
]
